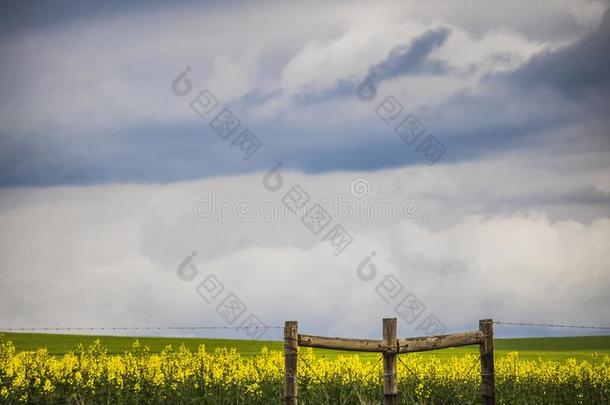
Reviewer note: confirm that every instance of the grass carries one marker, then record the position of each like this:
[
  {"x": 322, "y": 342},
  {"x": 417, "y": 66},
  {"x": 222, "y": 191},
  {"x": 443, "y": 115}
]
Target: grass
[
  {"x": 547, "y": 348},
  {"x": 60, "y": 344}
]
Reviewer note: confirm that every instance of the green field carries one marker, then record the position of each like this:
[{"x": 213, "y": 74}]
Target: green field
[{"x": 548, "y": 348}]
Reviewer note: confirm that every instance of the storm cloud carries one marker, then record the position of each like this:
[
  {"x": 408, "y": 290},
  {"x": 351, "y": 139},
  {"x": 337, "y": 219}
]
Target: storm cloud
[{"x": 103, "y": 162}]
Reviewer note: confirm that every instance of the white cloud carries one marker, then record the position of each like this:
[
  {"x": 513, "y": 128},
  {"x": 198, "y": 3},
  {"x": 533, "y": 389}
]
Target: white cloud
[{"x": 108, "y": 255}]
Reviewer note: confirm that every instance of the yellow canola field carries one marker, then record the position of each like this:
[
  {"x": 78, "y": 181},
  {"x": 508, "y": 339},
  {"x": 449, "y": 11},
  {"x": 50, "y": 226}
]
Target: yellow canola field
[{"x": 180, "y": 376}]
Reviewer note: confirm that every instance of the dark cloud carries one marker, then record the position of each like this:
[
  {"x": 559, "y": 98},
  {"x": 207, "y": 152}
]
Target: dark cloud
[
  {"x": 342, "y": 88},
  {"x": 578, "y": 69},
  {"x": 22, "y": 16},
  {"x": 583, "y": 195},
  {"x": 413, "y": 59},
  {"x": 154, "y": 153},
  {"x": 402, "y": 60},
  {"x": 503, "y": 114},
  {"x": 163, "y": 154},
  {"x": 258, "y": 96}
]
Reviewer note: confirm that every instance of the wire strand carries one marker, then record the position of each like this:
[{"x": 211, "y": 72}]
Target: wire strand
[
  {"x": 137, "y": 328},
  {"x": 455, "y": 388},
  {"x": 369, "y": 371},
  {"x": 551, "y": 325}
]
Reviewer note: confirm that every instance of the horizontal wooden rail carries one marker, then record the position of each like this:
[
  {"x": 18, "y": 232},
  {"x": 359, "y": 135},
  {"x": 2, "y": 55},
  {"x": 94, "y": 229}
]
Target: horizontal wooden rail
[
  {"x": 425, "y": 343},
  {"x": 356, "y": 345},
  {"x": 417, "y": 344}
]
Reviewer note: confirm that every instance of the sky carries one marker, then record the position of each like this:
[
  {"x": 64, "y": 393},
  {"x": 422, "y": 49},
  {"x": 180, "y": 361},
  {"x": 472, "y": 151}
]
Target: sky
[{"x": 247, "y": 163}]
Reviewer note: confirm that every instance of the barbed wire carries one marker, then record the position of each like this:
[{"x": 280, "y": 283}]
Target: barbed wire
[
  {"x": 552, "y": 325},
  {"x": 369, "y": 371},
  {"x": 315, "y": 374},
  {"x": 92, "y": 328},
  {"x": 455, "y": 388},
  {"x": 409, "y": 369},
  {"x": 211, "y": 327}
]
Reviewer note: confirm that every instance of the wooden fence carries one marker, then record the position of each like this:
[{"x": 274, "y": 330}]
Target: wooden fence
[{"x": 390, "y": 346}]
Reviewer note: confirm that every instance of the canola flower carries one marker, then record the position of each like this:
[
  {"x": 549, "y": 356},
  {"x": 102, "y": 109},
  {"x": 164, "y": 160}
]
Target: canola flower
[{"x": 180, "y": 376}]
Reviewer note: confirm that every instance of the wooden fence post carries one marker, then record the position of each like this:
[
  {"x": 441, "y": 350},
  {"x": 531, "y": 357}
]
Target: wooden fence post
[
  {"x": 291, "y": 346},
  {"x": 390, "y": 390},
  {"x": 488, "y": 390}
]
